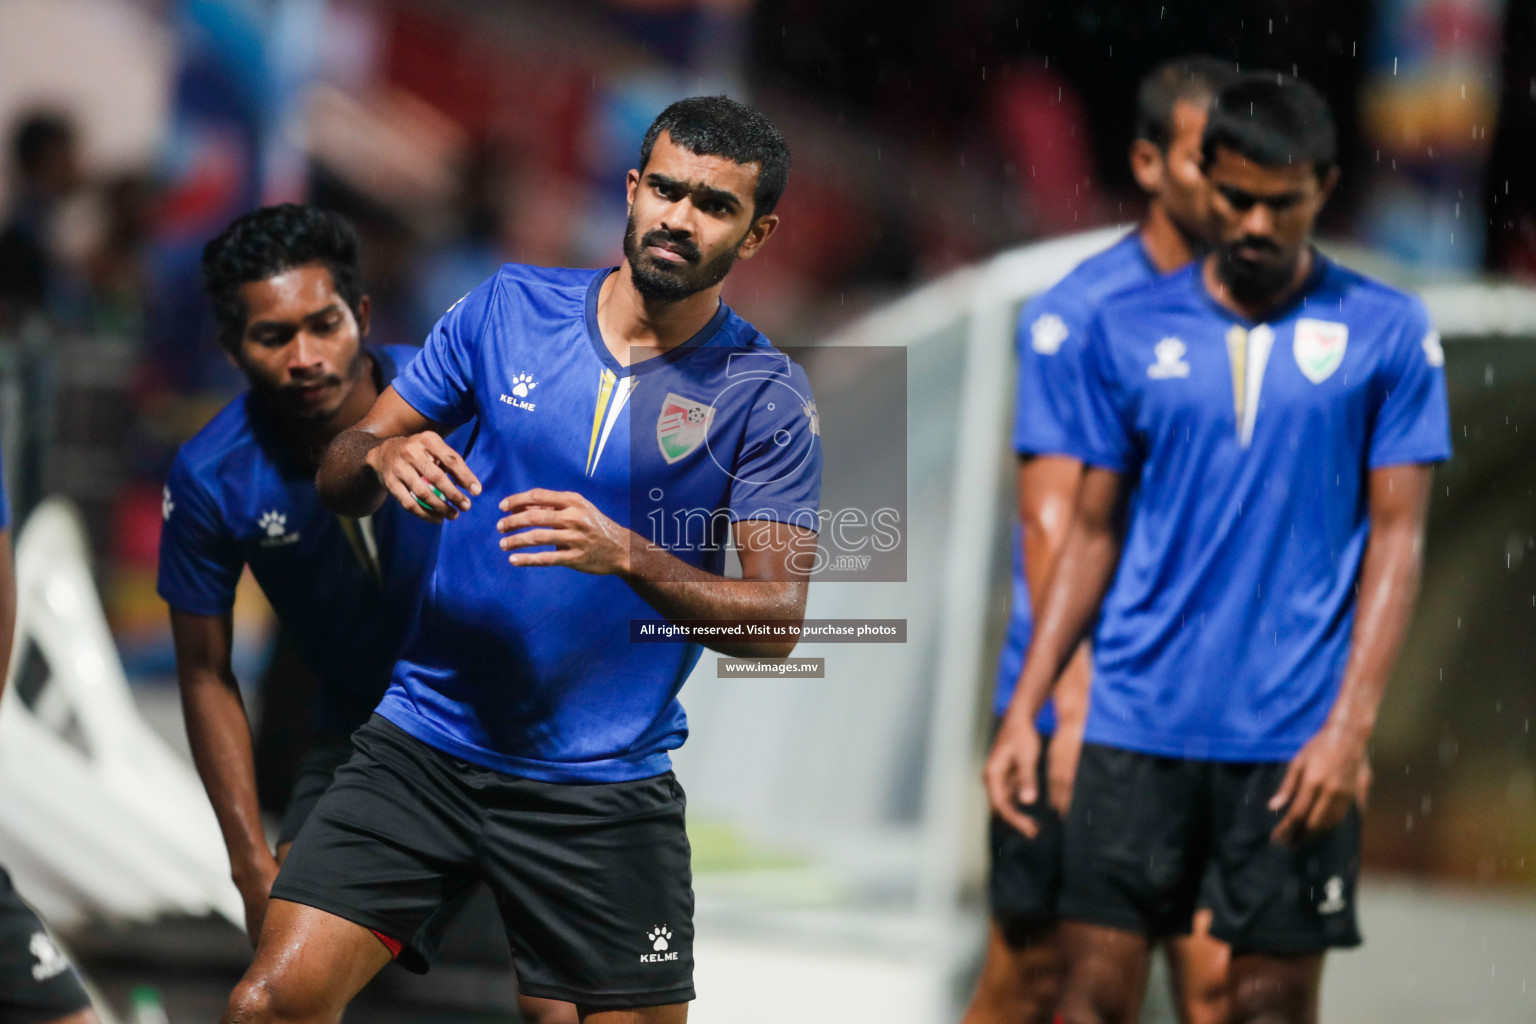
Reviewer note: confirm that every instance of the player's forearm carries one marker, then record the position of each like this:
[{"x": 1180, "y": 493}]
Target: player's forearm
[
  {"x": 1047, "y": 490},
  {"x": 346, "y": 482},
  {"x": 682, "y": 591},
  {"x": 1077, "y": 585},
  {"x": 220, "y": 737},
  {"x": 1389, "y": 586}
]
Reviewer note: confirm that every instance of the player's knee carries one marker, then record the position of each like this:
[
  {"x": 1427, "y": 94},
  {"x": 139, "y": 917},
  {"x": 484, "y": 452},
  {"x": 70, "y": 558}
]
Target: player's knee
[
  {"x": 1098, "y": 1005},
  {"x": 1206, "y": 1004},
  {"x": 1268, "y": 1000},
  {"x": 251, "y": 1003},
  {"x": 547, "y": 1011}
]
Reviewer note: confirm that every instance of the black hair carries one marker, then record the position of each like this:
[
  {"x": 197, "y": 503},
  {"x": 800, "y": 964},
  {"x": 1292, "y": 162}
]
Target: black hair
[
  {"x": 1274, "y": 120},
  {"x": 36, "y": 135},
  {"x": 1193, "y": 79},
  {"x": 268, "y": 242},
  {"x": 720, "y": 126}
]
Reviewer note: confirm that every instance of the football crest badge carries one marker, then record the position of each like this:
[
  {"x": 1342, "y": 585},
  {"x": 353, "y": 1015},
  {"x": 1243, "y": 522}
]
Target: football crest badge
[
  {"x": 682, "y": 426},
  {"x": 1319, "y": 348}
]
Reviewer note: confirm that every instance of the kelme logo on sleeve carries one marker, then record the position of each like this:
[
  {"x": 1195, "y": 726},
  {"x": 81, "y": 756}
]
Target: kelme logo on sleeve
[
  {"x": 1319, "y": 348},
  {"x": 681, "y": 427}
]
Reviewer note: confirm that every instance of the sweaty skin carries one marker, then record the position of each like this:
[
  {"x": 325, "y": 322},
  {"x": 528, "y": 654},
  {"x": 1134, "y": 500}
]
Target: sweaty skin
[
  {"x": 1263, "y": 218},
  {"x": 696, "y": 211},
  {"x": 1020, "y": 981},
  {"x": 302, "y": 352}
]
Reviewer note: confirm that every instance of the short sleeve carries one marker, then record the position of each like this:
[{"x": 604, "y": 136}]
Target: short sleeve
[
  {"x": 1411, "y": 422},
  {"x": 1051, "y": 336},
  {"x": 1105, "y": 434},
  {"x": 439, "y": 383},
  {"x": 777, "y": 475},
  {"x": 200, "y": 563}
]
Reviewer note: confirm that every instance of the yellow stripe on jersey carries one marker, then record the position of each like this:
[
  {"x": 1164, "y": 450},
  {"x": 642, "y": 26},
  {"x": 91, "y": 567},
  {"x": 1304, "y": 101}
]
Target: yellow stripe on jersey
[
  {"x": 1237, "y": 351},
  {"x": 604, "y": 390},
  {"x": 359, "y": 533}
]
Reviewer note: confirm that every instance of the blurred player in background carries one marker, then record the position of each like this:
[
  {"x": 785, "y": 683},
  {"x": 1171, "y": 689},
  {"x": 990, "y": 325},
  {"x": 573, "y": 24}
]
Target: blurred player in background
[
  {"x": 286, "y": 288},
  {"x": 524, "y": 737},
  {"x": 37, "y": 982},
  {"x": 1277, "y": 415},
  {"x": 1020, "y": 979}
]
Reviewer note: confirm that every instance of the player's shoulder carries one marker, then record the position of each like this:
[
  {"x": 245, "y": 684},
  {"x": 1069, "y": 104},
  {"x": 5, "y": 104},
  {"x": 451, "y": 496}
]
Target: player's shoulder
[
  {"x": 1358, "y": 296},
  {"x": 529, "y": 277},
  {"x": 1176, "y": 292},
  {"x": 229, "y": 435},
  {"x": 1121, "y": 266}
]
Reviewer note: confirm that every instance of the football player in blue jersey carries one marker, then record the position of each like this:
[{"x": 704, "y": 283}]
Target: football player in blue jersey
[
  {"x": 37, "y": 981},
  {"x": 524, "y": 737},
  {"x": 1020, "y": 979},
  {"x": 286, "y": 289},
  {"x": 1278, "y": 417}
]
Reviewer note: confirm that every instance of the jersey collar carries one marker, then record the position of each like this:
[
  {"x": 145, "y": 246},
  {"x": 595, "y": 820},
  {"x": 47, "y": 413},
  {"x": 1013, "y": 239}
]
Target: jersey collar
[
  {"x": 595, "y": 336},
  {"x": 1320, "y": 267}
]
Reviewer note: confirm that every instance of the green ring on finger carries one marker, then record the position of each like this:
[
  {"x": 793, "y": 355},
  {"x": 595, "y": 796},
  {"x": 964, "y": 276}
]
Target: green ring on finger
[{"x": 423, "y": 503}]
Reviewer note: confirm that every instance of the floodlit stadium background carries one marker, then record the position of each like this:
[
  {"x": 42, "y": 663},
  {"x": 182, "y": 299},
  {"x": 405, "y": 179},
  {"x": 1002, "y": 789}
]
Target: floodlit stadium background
[{"x": 837, "y": 822}]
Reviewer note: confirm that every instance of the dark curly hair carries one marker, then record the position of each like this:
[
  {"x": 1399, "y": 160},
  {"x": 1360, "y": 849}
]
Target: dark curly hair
[
  {"x": 720, "y": 126},
  {"x": 1273, "y": 120},
  {"x": 268, "y": 242}
]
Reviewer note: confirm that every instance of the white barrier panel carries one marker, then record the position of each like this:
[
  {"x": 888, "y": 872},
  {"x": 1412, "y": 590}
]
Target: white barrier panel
[{"x": 102, "y": 820}]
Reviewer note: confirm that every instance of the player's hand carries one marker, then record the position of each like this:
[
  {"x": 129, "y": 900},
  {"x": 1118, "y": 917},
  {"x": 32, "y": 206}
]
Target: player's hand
[
  {"x": 1061, "y": 765},
  {"x": 1323, "y": 779},
  {"x": 1010, "y": 773},
  {"x": 425, "y": 475},
  {"x": 255, "y": 885},
  {"x": 583, "y": 538}
]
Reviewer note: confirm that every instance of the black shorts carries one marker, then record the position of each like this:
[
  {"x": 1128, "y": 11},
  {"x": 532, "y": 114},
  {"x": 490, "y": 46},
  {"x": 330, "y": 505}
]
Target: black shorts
[
  {"x": 593, "y": 882},
  {"x": 1024, "y": 875},
  {"x": 1148, "y": 838},
  {"x": 37, "y": 982},
  {"x": 310, "y": 781}
]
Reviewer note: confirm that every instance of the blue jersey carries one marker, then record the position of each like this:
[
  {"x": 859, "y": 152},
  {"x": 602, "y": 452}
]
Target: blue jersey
[
  {"x": 1052, "y": 329},
  {"x": 345, "y": 590},
  {"x": 528, "y": 670},
  {"x": 5, "y": 502},
  {"x": 1225, "y": 631}
]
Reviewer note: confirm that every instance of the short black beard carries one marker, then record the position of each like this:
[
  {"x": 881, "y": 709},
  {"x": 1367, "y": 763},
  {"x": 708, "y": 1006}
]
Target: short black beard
[
  {"x": 659, "y": 285},
  {"x": 1253, "y": 283}
]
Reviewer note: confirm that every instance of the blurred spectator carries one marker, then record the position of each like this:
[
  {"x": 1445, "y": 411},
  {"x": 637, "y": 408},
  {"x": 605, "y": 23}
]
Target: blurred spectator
[
  {"x": 46, "y": 157},
  {"x": 117, "y": 269},
  {"x": 474, "y": 247}
]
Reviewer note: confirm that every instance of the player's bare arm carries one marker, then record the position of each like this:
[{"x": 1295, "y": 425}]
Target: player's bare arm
[
  {"x": 771, "y": 587},
  {"x": 396, "y": 452},
  {"x": 1047, "y": 486},
  {"x": 220, "y": 736},
  {"x": 1077, "y": 584},
  {"x": 1329, "y": 773}
]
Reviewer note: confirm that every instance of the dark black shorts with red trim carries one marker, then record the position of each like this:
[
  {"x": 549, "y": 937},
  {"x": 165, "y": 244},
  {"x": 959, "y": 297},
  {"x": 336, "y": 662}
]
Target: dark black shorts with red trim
[{"x": 593, "y": 882}]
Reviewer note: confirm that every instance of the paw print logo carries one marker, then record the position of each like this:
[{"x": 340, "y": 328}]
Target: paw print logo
[
  {"x": 167, "y": 506},
  {"x": 658, "y": 938},
  {"x": 809, "y": 409},
  {"x": 522, "y": 384},
  {"x": 273, "y": 522}
]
